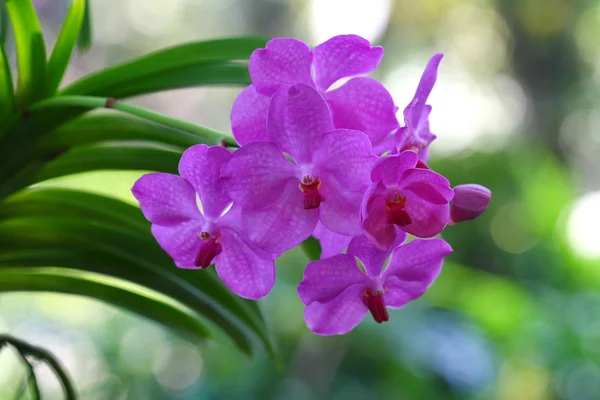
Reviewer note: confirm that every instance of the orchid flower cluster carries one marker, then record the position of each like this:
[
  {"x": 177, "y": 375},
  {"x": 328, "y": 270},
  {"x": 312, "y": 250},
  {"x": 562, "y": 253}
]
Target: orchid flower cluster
[{"x": 322, "y": 159}]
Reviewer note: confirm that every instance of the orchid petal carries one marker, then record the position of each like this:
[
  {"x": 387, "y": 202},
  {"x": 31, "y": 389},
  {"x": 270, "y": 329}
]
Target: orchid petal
[
  {"x": 428, "y": 185},
  {"x": 428, "y": 219},
  {"x": 297, "y": 119},
  {"x": 331, "y": 243},
  {"x": 339, "y": 315},
  {"x": 166, "y": 199},
  {"x": 249, "y": 116},
  {"x": 244, "y": 268},
  {"x": 344, "y": 56},
  {"x": 201, "y": 166},
  {"x": 327, "y": 278},
  {"x": 469, "y": 202},
  {"x": 181, "y": 242},
  {"x": 282, "y": 226},
  {"x": 365, "y": 105},
  {"x": 284, "y": 61},
  {"x": 346, "y": 155},
  {"x": 256, "y": 174},
  {"x": 340, "y": 212},
  {"x": 377, "y": 227},
  {"x": 412, "y": 269},
  {"x": 389, "y": 169},
  {"x": 372, "y": 257}
]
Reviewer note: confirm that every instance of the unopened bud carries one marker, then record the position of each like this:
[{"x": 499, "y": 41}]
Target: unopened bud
[{"x": 469, "y": 202}]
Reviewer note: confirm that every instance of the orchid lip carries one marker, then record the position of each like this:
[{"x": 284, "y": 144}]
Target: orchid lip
[
  {"x": 209, "y": 249},
  {"x": 312, "y": 196},
  {"x": 376, "y": 305},
  {"x": 397, "y": 215}
]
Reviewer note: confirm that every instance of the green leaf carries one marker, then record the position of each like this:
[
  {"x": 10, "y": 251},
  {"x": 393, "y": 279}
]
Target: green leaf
[
  {"x": 115, "y": 126},
  {"x": 63, "y": 48},
  {"x": 64, "y": 104},
  {"x": 119, "y": 293},
  {"x": 7, "y": 97},
  {"x": 312, "y": 248},
  {"x": 114, "y": 224},
  {"x": 85, "y": 35},
  {"x": 110, "y": 157},
  {"x": 213, "y": 54},
  {"x": 31, "y": 52},
  {"x": 214, "y": 73},
  {"x": 3, "y": 24}
]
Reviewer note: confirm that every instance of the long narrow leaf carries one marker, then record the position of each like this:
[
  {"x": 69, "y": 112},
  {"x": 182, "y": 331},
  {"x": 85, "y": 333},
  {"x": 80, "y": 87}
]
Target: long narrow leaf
[
  {"x": 7, "y": 97},
  {"x": 3, "y": 23},
  {"x": 164, "y": 62},
  {"x": 31, "y": 53},
  {"x": 63, "y": 48},
  {"x": 205, "y": 74},
  {"x": 131, "y": 297},
  {"x": 116, "y": 126},
  {"x": 108, "y": 157},
  {"x": 92, "y": 207},
  {"x": 85, "y": 35},
  {"x": 63, "y": 104},
  {"x": 135, "y": 257}
]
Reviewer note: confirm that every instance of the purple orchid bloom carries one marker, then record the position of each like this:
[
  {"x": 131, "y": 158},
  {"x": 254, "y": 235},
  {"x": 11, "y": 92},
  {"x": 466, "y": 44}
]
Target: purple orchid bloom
[
  {"x": 196, "y": 239},
  {"x": 403, "y": 197},
  {"x": 338, "y": 294},
  {"x": 361, "y": 104},
  {"x": 416, "y": 135},
  {"x": 469, "y": 202},
  {"x": 307, "y": 172}
]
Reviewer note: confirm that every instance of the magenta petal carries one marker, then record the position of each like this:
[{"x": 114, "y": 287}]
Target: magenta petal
[
  {"x": 469, "y": 202},
  {"x": 428, "y": 185},
  {"x": 284, "y": 61},
  {"x": 249, "y": 116},
  {"x": 331, "y": 243},
  {"x": 377, "y": 227},
  {"x": 298, "y": 118},
  {"x": 389, "y": 169},
  {"x": 346, "y": 154},
  {"x": 344, "y": 56},
  {"x": 428, "y": 219},
  {"x": 244, "y": 268},
  {"x": 412, "y": 269},
  {"x": 166, "y": 199},
  {"x": 181, "y": 242},
  {"x": 426, "y": 85},
  {"x": 372, "y": 257},
  {"x": 201, "y": 166},
  {"x": 256, "y": 174},
  {"x": 339, "y": 315},
  {"x": 282, "y": 226},
  {"x": 327, "y": 278},
  {"x": 340, "y": 212},
  {"x": 363, "y": 104}
]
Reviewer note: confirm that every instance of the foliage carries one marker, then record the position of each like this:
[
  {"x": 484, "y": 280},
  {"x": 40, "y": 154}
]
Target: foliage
[{"x": 103, "y": 246}]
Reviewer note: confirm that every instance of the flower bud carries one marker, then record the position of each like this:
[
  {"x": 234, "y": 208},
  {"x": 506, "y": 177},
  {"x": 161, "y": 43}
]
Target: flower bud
[{"x": 469, "y": 202}]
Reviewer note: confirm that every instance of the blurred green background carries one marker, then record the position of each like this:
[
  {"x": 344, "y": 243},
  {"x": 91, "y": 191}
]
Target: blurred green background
[{"x": 515, "y": 313}]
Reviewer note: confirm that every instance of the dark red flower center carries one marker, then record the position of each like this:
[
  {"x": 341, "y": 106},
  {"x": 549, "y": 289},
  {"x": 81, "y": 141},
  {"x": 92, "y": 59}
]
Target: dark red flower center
[
  {"x": 397, "y": 215},
  {"x": 376, "y": 305},
  {"x": 310, "y": 188},
  {"x": 209, "y": 249}
]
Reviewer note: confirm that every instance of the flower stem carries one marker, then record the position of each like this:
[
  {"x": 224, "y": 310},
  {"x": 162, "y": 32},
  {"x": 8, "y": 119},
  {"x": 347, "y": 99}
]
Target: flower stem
[
  {"x": 104, "y": 102},
  {"x": 311, "y": 248},
  {"x": 25, "y": 348}
]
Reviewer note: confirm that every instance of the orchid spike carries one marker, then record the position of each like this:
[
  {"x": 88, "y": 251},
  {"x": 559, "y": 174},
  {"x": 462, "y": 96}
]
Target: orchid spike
[
  {"x": 361, "y": 103},
  {"x": 469, "y": 202},
  {"x": 405, "y": 198},
  {"x": 196, "y": 239},
  {"x": 338, "y": 294},
  {"x": 416, "y": 134},
  {"x": 308, "y": 172}
]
